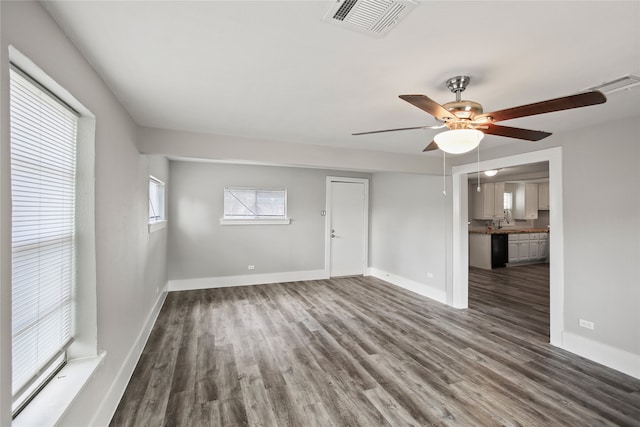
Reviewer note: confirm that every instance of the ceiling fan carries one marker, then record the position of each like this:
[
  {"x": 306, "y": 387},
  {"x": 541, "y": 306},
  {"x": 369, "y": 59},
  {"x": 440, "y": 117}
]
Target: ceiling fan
[{"x": 467, "y": 124}]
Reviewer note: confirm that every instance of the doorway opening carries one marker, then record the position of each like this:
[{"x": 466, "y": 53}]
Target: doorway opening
[
  {"x": 458, "y": 292},
  {"x": 509, "y": 246}
]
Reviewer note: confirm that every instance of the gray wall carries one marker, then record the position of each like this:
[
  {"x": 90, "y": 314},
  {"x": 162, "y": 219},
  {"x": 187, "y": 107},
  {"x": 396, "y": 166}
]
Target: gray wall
[
  {"x": 199, "y": 247},
  {"x": 130, "y": 263},
  {"x": 230, "y": 148},
  {"x": 601, "y": 168},
  {"x": 410, "y": 218}
]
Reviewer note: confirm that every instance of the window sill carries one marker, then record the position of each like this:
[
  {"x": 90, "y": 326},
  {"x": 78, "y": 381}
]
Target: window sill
[
  {"x": 158, "y": 225},
  {"x": 48, "y": 407},
  {"x": 255, "y": 221}
]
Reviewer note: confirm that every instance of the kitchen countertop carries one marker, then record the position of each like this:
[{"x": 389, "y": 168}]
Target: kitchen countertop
[{"x": 510, "y": 231}]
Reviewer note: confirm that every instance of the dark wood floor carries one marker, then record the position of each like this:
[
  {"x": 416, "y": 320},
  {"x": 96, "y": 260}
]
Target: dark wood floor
[{"x": 361, "y": 352}]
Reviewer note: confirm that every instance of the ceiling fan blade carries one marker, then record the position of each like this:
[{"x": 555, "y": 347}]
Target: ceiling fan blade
[
  {"x": 511, "y": 132},
  {"x": 558, "y": 104},
  {"x": 394, "y": 130},
  {"x": 430, "y": 106},
  {"x": 431, "y": 147}
]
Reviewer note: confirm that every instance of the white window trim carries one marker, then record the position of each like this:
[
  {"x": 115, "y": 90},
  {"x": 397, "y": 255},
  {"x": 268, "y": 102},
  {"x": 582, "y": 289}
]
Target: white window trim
[
  {"x": 50, "y": 404},
  {"x": 158, "y": 225},
  {"x": 257, "y": 221}
]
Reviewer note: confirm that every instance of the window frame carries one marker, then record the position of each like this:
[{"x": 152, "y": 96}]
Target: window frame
[
  {"x": 258, "y": 219},
  {"x": 160, "y": 221},
  {"x": 41, "y": 377}
]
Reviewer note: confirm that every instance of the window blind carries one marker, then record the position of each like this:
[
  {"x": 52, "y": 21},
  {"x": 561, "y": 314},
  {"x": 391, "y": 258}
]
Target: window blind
[
  {"x": 43, "y": 180},
  {"x": 254, "y": 203}
]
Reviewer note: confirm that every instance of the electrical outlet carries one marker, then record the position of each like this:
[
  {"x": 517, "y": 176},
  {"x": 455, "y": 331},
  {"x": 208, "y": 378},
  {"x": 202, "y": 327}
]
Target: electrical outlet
[
  {"x": 587, "y": 324},
  {"x": 251, "y": 267},
  {"x": 430, "y": 275}
]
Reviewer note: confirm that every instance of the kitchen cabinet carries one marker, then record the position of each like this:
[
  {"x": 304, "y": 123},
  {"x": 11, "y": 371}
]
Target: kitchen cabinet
[
  {"x": 543, "y": 249},
  {"x": 518, "y": 247},
  {"x": 489, "y": 202},
  {"x": 543, "y": 196},
  {"x": 527, "y": 247},
  {"x": 513, "y": 250},
  {"x": 526, "y": 201},
  {"x": 534, "y": 246}
]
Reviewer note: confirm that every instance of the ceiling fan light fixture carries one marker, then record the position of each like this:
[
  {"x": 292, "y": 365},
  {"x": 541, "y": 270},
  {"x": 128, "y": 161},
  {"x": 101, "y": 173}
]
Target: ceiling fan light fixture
[{"x": 458, "y": 141}]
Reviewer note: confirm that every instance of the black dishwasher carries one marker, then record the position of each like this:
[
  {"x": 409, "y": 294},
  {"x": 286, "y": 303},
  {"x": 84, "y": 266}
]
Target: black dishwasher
[{"x": 499, "y": 250}]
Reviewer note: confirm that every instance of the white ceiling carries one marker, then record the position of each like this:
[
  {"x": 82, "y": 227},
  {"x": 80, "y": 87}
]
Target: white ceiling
[{"x": 273, "y": 70}]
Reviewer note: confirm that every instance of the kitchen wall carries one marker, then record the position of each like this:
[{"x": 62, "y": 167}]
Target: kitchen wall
[
  {"x": 542, "y": 221},
  {"x": 129, "y": 263},
  {"x": 199, "y": 247}
]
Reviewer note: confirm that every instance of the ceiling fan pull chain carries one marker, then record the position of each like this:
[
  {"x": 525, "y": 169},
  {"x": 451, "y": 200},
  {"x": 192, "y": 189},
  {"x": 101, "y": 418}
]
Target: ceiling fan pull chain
[
  {"x": 478, "y": 187},
  {"x": 444, "y": 174}
]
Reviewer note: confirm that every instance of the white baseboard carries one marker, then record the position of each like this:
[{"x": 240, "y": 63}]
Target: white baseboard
[
  {"x": 611, "y": 357},
  {"x": 245, "y": 280},
  {"x": 417, "y": 287},
  {"x": 118, "y": 386}
]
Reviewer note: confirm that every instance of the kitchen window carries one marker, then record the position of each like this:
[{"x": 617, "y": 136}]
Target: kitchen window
[
  {"x": 254, "y": 206},
  {"x": 508, "y": 201}
]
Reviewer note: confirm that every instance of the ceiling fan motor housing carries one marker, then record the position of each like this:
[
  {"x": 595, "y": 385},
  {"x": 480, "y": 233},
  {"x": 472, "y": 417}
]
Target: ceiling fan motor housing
[
  {"x": 464, "y": 109},
  {"x": 460, "y": 108},
  {"x": 458, "y": 84}
]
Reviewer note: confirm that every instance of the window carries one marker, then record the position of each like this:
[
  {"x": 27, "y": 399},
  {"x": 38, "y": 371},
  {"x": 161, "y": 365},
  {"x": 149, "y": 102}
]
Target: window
[
  {"x": 255, "y": 205},
  {"x": 508, "y": 201},
  {"x": 156, "y": 200},
  {"x": 43, "y": 196}
]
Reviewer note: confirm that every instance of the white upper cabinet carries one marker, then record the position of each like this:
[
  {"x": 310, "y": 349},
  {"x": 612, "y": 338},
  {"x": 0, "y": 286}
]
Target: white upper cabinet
[
  {"x": 543, "y": 196},
  {"x": 526, "y": 201},
  {"x": 489, "y": 202}
]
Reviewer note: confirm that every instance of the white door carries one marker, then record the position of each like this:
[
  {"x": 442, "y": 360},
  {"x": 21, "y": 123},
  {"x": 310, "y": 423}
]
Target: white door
[{"x": 347, "y": 228}]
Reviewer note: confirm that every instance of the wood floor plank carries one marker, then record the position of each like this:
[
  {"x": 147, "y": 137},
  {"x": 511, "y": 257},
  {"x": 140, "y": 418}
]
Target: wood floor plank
[
  {"x": 358, "y": 351},
  {"x": 256, "y": 400},
  {"x": 392, "y": 411}
]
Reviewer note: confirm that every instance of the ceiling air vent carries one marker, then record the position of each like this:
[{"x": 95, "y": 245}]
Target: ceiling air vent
[
  {"x": 621, "y": 83},
  {"x": 371, "y": 17}
]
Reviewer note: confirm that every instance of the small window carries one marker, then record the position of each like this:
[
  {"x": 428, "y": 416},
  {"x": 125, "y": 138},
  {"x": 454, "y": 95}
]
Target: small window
[
  {"x": 255, "y": 205},
  {"x": 508, "y": 201},
  {"x": 156, "y": 200}
]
